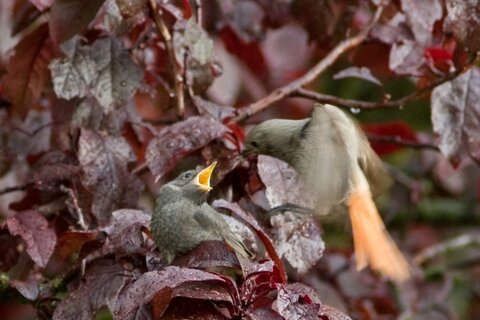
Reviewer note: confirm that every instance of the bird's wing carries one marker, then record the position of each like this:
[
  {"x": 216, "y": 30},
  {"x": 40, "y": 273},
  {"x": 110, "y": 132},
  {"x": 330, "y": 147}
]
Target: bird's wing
[
  {"x": 209, "y": 219},
  {"x": 328, "y": 156}
]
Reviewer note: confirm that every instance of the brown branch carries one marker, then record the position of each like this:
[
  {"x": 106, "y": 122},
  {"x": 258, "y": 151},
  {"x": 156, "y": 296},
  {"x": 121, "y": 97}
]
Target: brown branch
[
  {"x": 398, "y": 140},
  {"x": 22, "y": 187},
  {"x": 312, "y": 74},
  {"x": 386, "y": 104},
  {"x": 174, "y": 69}
]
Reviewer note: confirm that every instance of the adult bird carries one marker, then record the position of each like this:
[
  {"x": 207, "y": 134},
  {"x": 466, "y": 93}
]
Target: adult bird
[
  {"x": 337, "y": 165},
  {"x": 182, "y": 219}
]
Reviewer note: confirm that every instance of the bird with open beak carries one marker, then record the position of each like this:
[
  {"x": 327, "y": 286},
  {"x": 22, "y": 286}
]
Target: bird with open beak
[
  {"x": 336, "y": 163},
  {"x": 182, "y": 219}
]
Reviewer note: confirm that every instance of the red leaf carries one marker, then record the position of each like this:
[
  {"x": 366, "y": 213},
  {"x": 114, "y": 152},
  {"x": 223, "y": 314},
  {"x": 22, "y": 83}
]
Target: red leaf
[
  {"x": 28, "y": 70},
  {"x": 249, "y": 53},
  {"x": 187, "y": 9},
  {"x": 175, "y": 141},
  {"x": 33, "y": 228},
  {"x": 69, "y": 17},
  {"x": 438, "y": 53},
  {"x": 71, "y": 242},
  {"x": 394, "y": 129}
]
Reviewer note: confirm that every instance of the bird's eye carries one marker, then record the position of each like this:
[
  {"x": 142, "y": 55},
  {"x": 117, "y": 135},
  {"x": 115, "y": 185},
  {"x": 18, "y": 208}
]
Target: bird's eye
[
  {"x": 187, "y": 175},
  {"x": 254, "y": 144}
]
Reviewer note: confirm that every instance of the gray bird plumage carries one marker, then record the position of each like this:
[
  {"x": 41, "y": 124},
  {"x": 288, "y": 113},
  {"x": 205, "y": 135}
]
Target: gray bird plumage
[
  {"x": 182, "y": 218},
  {"x": 326, "y": 150}
]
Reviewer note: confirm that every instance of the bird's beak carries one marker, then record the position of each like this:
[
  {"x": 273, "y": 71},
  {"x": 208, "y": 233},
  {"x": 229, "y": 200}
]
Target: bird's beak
[{"x": 203, "y": 177}]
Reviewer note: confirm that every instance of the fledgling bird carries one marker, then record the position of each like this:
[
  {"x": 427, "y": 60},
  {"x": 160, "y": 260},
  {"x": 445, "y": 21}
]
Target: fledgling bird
[
  {"x": 182, "y": 219},
  {"x": 336, "y": 163}
]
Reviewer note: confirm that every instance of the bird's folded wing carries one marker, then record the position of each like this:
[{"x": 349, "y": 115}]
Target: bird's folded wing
[
  {"x": 328, "y": 155},
  {"x": 211, "y": 220}
]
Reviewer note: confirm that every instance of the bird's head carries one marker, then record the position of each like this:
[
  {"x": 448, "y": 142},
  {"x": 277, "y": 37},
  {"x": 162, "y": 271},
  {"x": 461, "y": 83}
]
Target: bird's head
[
  {"x": 258, "y": 140},
  {"x": 194, "y": 182}
]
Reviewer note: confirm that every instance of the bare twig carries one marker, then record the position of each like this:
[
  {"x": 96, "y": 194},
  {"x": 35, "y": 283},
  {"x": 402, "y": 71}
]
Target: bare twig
[
  {"x": 441, "y": 248},
  {"x": 384, "y": 104},
  {"x": 76, "y": 206},
  {"x": 311, "y": 75},
  {"x": 174, "y": 69},
  {"x": 402, "y": 142},
  {"x": 22, "y": 187}
]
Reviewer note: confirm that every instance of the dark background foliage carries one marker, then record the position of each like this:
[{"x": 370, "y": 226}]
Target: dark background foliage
[{"x": 102, "y": 101}]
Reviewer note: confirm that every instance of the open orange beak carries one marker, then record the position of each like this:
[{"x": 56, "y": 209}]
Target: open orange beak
[{"x": 203, "y": 178}]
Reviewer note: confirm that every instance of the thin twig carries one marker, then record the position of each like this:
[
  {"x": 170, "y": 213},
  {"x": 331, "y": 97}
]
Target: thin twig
[
  {"x": 174, "y": 69},
  {"x": 311, "y": 75},
  {"x": 76, "y": 206},
  {"x": 385, "y": 104},
  {"x": 402, "y": 142},
  {"x": 441, "y": 248},
  {"x": 22, "y": 187}
]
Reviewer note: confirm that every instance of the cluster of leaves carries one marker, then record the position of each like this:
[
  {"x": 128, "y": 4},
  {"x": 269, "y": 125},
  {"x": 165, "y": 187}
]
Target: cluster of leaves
[{"x": 101, "y": 101}]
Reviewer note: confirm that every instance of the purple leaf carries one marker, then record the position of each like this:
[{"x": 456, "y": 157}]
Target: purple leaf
[
  {"x": 104, "y": 280},
  {"x": 456, "y": 115},
  {"x": 103, "y": 70},
  {"x": 395, "y": 31},
  {"x": 29, "y": 288},
  {"x": 297, "y": 301},
  {"x": 104, "y": 161},
  {"x": 421, "y": 15},
  {"x": 463, "y": 21},
  {"x": 162, "y": 283},
  {"x": 209, "y": 254},
  {"x": 124, "y": 230},
  {"x": 197, "y": 309},
  {"x": 194, "y": 48},
  {"x": 32, "y": 135},
  {"x": 407, "y": 58},
  {"x": 212, "y": 109},
  {"x": 356, "y": 72},
  {"x": 69, "y": 17},
  {"x": 173, "y": 142},
  {"x": 297, "y": 239},
  {"x": 282, "y": 183},
  {"x": 33, "y": 228}
]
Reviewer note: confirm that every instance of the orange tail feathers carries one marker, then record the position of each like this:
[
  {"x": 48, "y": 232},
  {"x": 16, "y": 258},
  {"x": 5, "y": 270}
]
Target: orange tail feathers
[{"x": 372, "y": 242}]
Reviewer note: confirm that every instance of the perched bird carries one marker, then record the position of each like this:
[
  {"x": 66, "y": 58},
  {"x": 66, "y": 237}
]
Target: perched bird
[
  {"x": 337, "y": 165},
  {"x": 182, "y": 219}
]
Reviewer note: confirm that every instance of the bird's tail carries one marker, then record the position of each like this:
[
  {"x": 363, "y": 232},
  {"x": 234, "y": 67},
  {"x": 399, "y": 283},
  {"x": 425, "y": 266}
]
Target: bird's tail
[{"x": 372, "y": 242}]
